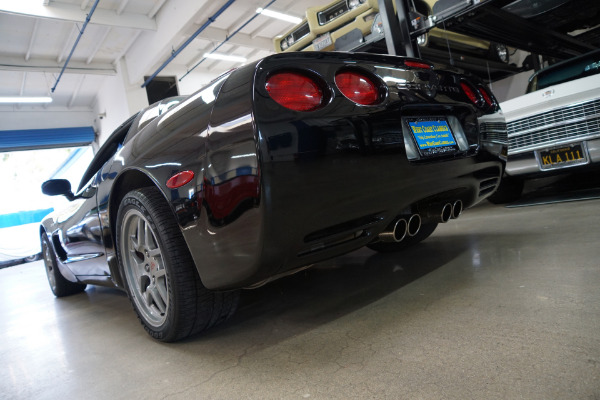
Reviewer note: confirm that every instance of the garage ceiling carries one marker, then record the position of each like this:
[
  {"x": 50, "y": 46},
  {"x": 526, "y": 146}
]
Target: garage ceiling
[{"x": 37, "y": 37}]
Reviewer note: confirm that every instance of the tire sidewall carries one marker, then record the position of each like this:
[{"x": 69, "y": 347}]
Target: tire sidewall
[
  {"x": 46, "y": 245},
  {"x": 137, "y": 201}
]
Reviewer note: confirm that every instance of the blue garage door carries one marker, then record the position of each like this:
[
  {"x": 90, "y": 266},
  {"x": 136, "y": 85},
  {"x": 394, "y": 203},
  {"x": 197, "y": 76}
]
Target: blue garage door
[{"x": 32, "y": 139}]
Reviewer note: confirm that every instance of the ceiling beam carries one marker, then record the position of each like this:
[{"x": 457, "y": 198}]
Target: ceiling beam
[
  {"x": 99, "y": 43},
  {"x": 68, "y": 44},
  {"x": 74, "y": 13},
  {"x": 76, "y": 92},
  {"x": 8, "y": 63},
  {"x": 32, "y": 40},
  {"x": 122, "y": 7},
  {"x": 23, "y": 82},
  {"x": 240, "y": 39},
  {"x": 156, "y": 8},
  {"x": 132, "y": 40},
  {"x": 174, "y": 20}
]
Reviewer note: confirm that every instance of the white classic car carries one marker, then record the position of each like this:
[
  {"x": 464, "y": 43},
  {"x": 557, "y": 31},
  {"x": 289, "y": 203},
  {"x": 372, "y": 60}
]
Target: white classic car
[
  {"x": 555, "y": 126},
  {"x": 323, "y": 26}
]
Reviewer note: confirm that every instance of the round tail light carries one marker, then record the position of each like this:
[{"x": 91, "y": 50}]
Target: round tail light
[
  {"x": 471, "y": 92},
  {"x": 358, "y": 87},
  {"x": 487, "y": 97},
  {"x": 295, "y": 91}
]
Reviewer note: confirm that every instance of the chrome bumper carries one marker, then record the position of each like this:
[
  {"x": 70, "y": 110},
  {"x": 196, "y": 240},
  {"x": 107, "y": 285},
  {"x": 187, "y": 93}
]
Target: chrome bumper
[{"x": 527, "y": 163}]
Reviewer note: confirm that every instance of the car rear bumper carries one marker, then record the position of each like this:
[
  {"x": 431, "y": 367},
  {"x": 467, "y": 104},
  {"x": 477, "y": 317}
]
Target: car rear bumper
[
  {"x": 310, "y": 210},
  {"x": 528, "y": 165}
]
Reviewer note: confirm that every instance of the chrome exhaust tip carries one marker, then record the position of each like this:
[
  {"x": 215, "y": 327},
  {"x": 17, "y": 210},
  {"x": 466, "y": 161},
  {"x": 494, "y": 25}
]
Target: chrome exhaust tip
[
  {"x": 396, "y": 233},
  {"x": 457, "y": 209},
  {"x": 414, "y": 225},
  {"x": 446, "y": 213}
]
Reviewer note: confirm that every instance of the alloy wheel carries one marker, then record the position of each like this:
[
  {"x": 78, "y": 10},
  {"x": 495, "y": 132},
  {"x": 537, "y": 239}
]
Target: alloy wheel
[{"x": 144, "y": 268}]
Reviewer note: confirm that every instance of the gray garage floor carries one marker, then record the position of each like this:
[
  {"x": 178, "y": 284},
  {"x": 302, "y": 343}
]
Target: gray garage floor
[{"x": 503, "y": 303}]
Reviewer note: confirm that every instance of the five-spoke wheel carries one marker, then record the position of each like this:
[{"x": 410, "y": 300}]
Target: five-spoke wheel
[{"x": 160, "y": 276}]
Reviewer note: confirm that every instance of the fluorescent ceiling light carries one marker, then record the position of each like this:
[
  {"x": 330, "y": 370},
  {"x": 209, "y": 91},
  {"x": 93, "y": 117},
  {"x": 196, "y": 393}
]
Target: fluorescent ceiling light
[
  {"x": 20, "y": 99},
  {"x": 278, "y": 15},
  {"x": 224, "y": 57}
]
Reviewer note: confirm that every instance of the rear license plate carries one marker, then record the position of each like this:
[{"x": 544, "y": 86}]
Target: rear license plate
[
  {"x": 432, "y": 136},
  {"x": 322, "y": 42},
  {"x": 562, "y": 156}
]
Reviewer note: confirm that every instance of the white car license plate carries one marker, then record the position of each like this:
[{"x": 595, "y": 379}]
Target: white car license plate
[{"x": 322, "y": 42}]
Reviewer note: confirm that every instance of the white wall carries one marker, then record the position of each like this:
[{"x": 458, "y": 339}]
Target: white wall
[
  {"x": 511, "y": 87},
  {"x": 192, "y": 82},
  {"x": 117, "y": 101},
  {"x": 19, "y": 118}
]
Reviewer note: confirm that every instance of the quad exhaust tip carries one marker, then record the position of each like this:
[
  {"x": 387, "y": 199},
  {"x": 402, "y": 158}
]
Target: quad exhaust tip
[
  {"x": 414, "y": 225},
  {"x": 400, "y": 228},
  {"x": 457, "y": 209},
  {"x": 396, "y": 233},
  {"x": 447, "y": 212}
]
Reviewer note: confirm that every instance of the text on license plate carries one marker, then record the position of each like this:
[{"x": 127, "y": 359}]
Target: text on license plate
[
  {"x": 564, "y": 156},
  {"x": 432, "y": 133},
  {"x": 322, "y": 42}
]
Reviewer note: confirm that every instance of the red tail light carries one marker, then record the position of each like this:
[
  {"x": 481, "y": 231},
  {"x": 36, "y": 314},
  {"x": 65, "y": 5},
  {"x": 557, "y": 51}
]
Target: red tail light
[
  {"x": 486, "y": 96},
  {"x": 358, "y": 87},
  {"x": 180, "y": 179},
  {"x": 417, "y": 64},
  {"x": 471, "y": 92},
  {"x": 295, "y": 91}
]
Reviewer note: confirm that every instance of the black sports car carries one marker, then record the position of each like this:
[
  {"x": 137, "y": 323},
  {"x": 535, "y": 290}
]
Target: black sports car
[{"x": 270, "y": 168}]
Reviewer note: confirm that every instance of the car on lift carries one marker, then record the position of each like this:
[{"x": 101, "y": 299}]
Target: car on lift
[
  {"x": 269, "y": 169},
  {"x": 562, "y": 15},
  {"x": 555, "y": 127},
  {"x": 355, "y": 21}
]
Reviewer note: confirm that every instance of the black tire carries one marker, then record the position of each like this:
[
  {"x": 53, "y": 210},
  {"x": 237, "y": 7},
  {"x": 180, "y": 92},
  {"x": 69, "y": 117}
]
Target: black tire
[
  {"x": 160, "y": 276},
  {"x": 59, "y": 285},
  {"x": 409, "y": 241},
  {"x": 509, "y": 190}
]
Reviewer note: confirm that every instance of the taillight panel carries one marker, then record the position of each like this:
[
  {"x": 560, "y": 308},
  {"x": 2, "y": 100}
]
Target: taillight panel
[
  {"x": 472, "y": 93},
  {"x": 487, "y": 96},
  {"x": 296, "y": 90},
  {"x": 360, "y": 87}
]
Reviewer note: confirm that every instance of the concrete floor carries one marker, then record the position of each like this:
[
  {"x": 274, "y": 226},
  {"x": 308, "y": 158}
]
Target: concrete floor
[{"x": 503, "y": 303}]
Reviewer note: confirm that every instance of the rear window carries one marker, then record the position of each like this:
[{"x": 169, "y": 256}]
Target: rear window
[{"x": 566, "y": 71}]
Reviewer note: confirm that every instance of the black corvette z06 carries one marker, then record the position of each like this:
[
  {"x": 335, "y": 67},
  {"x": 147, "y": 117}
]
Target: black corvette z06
[{"x": 272, "y": 167}]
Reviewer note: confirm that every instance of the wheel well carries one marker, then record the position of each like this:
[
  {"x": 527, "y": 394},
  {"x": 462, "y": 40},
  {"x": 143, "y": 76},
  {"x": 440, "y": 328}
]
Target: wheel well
[
  {"x": 128, "y": 181},
  {"x": 422, "y": 7}
]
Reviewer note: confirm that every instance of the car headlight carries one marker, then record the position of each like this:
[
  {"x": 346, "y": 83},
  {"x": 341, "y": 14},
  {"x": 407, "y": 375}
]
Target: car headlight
[
  {"x": 377, "y": 27},
  {"x": 290, "y": 40},
  {"x": 501, "y": 52},
  {"x": 355, "y": 3},
  {"x": 284, "y": 44}
]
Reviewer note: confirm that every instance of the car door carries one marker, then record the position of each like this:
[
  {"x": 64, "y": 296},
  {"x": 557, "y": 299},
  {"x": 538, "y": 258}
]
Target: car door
[
  {"x": 80, "y": 227},
  {"x": 80, "y": 233}
]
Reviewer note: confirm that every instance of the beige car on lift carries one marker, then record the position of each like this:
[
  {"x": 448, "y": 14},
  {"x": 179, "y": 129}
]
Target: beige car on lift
[{"x": 324, "y": 25}]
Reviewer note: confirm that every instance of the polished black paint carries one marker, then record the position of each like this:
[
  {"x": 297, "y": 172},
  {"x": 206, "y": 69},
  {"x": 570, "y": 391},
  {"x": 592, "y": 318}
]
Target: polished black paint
[{"x": 276, "y": 190}]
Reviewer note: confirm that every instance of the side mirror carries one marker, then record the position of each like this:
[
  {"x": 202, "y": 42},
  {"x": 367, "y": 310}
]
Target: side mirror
[{"x": 55, "y": 187}]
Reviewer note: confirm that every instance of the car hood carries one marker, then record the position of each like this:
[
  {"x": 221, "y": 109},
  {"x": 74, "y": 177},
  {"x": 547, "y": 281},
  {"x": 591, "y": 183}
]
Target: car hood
[{"x": 552, "y": 97}]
